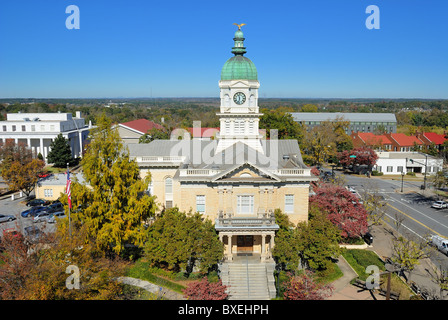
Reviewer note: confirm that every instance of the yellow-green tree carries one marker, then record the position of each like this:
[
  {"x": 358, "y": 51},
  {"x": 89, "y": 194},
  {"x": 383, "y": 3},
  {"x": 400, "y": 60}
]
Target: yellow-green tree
[{"x": 112, "y": 203}]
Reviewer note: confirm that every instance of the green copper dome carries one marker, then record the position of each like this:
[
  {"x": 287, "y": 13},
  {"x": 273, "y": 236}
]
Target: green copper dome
[{"x": 239, "y": 67}]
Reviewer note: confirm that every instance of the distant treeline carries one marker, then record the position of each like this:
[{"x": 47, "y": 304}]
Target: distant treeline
[{"x": 181, "y": 112}]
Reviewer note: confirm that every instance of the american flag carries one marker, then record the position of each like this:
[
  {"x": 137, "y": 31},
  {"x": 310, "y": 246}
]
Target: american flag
[{"x": 68, "y": 190}]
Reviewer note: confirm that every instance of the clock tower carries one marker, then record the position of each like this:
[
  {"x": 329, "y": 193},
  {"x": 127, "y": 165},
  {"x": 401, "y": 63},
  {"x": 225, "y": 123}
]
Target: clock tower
[{"x": 239, "y": 112}]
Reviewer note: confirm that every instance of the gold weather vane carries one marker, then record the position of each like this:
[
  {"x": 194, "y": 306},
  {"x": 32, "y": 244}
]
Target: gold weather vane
[{"x": 239, "y": 25}]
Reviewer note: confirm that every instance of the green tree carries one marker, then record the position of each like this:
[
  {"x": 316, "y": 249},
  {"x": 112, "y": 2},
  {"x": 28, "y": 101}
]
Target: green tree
[
  {"x": 318, "y": 240},
  {"x": 60, "y": 153},
  {"x": 281, "y": 121},
  {"x": 154, "y": 134},
  {"x": 285, "y": 252},
  {"x": 176, "y": 241},
  {"x": 113, "y": 202}
]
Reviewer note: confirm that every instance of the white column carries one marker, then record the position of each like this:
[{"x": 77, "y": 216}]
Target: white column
[
  {"x": 263, "y": 247},
  {"x": 41, "y": 148},
  {"x": 229, "y": 249}
]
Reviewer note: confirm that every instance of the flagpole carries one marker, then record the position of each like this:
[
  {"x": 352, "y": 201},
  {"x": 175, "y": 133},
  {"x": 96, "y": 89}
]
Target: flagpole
[{"x": 69, "y": 218}]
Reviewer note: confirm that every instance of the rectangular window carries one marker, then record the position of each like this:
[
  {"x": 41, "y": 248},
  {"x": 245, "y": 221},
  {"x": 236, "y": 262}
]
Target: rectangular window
[
  {"x": 42, "y": 127},
  {"x": 4, "y": 128},
  {"x": 48, "y": 193},
  {"x": 245, "y": 204},
  {"x": 168, "y": 204},
  {"x": 23, "y": 128},
  {"x": 200, "y": 203},
  {"x": 52, "y": 127},
  {"x": 33, "y": 127},
  {"x": 389, "y": 168},
  {"x": 13, "y": 128},
  {"x": 400, "y": 168},
  {"x": 289, "y": 203}
]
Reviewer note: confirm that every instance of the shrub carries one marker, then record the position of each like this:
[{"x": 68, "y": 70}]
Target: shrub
[{"x": 204, "y": 290}]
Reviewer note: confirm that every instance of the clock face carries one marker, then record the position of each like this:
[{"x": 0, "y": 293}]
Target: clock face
[{"x": 239, "y": 98}]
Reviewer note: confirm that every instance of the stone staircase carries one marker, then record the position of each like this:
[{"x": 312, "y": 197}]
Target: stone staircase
[{"x": 248, "y": 279}]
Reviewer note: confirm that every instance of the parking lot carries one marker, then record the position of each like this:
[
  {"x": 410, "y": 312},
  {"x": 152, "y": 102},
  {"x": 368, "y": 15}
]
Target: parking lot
[{"x": 15, "y": 207}]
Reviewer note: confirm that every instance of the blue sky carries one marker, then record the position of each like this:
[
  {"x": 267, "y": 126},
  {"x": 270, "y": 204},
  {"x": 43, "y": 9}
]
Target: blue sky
[{"x": 303, "y": 49}]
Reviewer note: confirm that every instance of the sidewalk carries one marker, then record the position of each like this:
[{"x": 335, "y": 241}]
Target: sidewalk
[{"x": 382, "y": 246}]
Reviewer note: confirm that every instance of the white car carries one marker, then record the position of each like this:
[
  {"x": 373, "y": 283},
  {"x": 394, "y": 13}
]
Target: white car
[
  {"x": 439, "y": 205},
  {"x": 6, "y": 217}
]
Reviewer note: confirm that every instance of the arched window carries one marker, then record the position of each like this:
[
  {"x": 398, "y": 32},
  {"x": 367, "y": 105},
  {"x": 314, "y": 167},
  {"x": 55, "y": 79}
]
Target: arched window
[{"x": 168, "y": 185}]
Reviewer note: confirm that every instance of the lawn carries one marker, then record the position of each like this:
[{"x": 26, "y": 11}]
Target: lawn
[{"x": 360, "y": 259}]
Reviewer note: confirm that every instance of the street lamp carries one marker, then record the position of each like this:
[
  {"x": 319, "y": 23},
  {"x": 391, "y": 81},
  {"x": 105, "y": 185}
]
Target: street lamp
[{"x": 402, "y": 176}]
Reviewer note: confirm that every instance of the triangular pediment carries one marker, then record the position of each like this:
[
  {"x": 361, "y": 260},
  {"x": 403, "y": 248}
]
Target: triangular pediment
[
  {"x": 246, "y": 172},
  {"x": 240, "y": 84}
]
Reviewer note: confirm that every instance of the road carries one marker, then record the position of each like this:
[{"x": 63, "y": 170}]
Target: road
[{"x": 410, "y": 208}]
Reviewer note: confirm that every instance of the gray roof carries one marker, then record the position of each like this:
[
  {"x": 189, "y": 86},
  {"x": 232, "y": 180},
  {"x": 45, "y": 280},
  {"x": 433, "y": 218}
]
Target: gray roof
[
  {"x": 200, "y": 154},
  {"x": 60, "y": 179},
  {"x": 352, "y": 117}
]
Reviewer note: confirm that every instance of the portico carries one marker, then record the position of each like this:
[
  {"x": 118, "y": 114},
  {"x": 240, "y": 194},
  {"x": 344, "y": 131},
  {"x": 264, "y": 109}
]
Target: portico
[{"x": 247, "y": 235}]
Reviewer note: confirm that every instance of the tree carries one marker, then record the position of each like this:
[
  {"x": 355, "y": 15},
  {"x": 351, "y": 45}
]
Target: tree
[
  {"x": 343, "y": 209},
  {"x": 286, "y": 252},
  {"x": 155, "y": 134},
  {"x": 374, "y": 203},
  {"x": 176, "y": 241},
  {"x": 406, "y": 254},
  {"x": 317, "y": 240},
  {"x": 19, "y": 168},
  {"x": 204, "y": 290},
  {"x": 60, "y": 153},
  {"x": 37, "y": 271},
  {"x": 283, "y": 122},
  {"x": 362, "y": 156},
  {"x": 304, "y": 287},
  {"x": 113, "y": 203},
  {"x": 321, "y": 143}
]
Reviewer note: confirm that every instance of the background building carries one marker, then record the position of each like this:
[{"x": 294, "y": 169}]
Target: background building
[
  {"x": 359, "y": 122},
  {"x": 38, "y": 130},
  {"x": 393, "y": 163},
  {"x": 131, "y": 131}
]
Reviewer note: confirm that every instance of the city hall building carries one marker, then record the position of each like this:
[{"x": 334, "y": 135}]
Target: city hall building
[{"x": 237, "y": 179}]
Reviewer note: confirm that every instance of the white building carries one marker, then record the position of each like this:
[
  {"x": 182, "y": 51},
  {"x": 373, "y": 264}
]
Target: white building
[
  {"x": 38, "y": 130},
  {"x": 397, "y": 162}
]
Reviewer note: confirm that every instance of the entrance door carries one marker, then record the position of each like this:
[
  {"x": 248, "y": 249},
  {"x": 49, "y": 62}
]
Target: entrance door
[{"x": 245, "y": 243}]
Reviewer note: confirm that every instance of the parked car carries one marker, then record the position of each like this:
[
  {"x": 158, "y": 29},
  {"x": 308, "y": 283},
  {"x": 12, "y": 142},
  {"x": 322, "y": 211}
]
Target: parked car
[
  {"x": 6, "y": 217},
  {"x": 32, "y": 212},
  {"x": 33, "y": 233},
  {"x": 55, "y": 207},
  {"x": 36, "y": 202},
  {"x": 439, "y": 205},
  {"x": 41, "y": 216},
  {"x": 52, "y": 218},
  {"x": 368, "y": 238}
]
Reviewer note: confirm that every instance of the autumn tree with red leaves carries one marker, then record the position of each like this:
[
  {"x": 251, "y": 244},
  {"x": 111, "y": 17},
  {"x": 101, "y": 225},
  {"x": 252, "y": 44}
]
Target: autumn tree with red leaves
[
  {"x": 358, "y": 157},
  {"x": 343, "y": 209},
  {"x": 205, "y": 290},
  {"x": 304, "y": 287}
]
